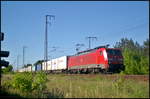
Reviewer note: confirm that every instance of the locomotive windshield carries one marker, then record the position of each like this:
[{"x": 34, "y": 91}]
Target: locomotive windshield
[{"x": 113, "y": 52}]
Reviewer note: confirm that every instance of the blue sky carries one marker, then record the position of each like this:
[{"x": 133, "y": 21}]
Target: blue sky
[{"x": 24, "y": 25}]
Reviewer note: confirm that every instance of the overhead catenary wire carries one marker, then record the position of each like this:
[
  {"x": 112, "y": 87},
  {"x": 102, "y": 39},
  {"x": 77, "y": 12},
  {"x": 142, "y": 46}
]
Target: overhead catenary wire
[{"x": 91, "y": 38}]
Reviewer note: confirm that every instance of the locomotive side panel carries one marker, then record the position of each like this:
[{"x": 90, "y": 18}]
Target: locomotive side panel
[{"x": 83, "y": 61}]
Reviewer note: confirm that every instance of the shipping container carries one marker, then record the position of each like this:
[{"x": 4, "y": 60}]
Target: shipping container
[
  {"x": 33, "y": 68},
  {"x": 38, "y": 67},
  {"x": 62, "y": 63},
  {"x": 59, "y": 63},
  {"x": 44, "y": 66},
  {"x": 56, "y": 64},
  {"x": 25, "y": 69},
  {"x": 49, "y": 65},
  {"x": 28, "y": 69},
  {"x": 21, "y": 70}
]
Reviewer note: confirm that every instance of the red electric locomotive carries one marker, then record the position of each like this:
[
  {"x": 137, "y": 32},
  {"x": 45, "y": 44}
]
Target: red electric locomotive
[{"x": 95, "y": 60}]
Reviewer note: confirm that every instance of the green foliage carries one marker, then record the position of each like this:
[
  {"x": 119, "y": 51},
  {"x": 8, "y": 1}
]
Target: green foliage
[
  {"x": 119, "y": 83},
  {"x": 7, "y": 69},
  {"x": 136, "y": 58},
  {"x": 146, "y": 48},
  {"x": 7, "y": 84},
  {"x": 22, "y": 81},
  {"x": 83, "y": 86},
  {"x": 39, "y": 81},
  {"x": 28, "y": 82},
  {"x": 144, "y": 64},
  {"x": 56, "y": 93}
]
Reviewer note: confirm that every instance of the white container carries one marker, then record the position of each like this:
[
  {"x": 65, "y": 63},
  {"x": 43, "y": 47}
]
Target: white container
[
  {"x": 56, "y": 64},
  {"x": 20, "y": 70},
  {"x": 28, "y": 69},
  {"x": 62, "y": 63},
  {"x": 59, "y": 63},
  {"x": 24, "y": 69},
  {"x": 43, "y": 66},
  {"x": 48, "y": 65}
]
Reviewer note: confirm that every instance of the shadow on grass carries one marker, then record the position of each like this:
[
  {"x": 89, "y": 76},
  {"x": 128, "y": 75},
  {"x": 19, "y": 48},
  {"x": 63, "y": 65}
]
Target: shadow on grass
[
  {"x": 4, "y": 94},
  {"x": 55, "y": 93}
]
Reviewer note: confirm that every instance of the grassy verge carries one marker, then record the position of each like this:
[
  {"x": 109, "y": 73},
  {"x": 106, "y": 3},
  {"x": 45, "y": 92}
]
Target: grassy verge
[
  {"x": 78, "y": 86},
  {"x": 96, "y": 87}
]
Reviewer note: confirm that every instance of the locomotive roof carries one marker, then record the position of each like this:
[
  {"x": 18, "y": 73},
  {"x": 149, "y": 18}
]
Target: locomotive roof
[{"x": 90, "y": 50}]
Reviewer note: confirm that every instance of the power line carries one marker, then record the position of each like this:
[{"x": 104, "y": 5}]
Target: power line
[
  {"x": 78, "y": 46},
  {"x": 136, "y": 26}
]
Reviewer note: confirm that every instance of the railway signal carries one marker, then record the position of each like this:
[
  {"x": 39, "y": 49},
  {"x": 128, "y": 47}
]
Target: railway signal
[
  {"x": 2, "y": 36},
  {"x": 3, "y": 53}
]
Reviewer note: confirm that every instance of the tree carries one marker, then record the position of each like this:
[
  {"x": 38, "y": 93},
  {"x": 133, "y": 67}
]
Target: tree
[
  {"x": 136, "y": 57},
  {"x": 128, "y": 44},
  {"x": 146, "y": 47}
]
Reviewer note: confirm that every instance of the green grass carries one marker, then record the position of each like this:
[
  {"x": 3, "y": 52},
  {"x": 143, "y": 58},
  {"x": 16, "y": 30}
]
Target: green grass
[{"x": 79, "y": 86}]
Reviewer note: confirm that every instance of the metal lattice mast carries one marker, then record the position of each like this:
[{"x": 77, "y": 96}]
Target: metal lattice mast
[
  {"x": 91, "y": 38},
  {"x": 17, "y": 62},
  {"x": 46, "y": 39},
  {"x": 23, "y": 61}
]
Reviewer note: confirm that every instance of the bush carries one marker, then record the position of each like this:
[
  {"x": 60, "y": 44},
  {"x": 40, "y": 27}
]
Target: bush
[
  {"x": 22, "y": 81},
  {"x": 135, "y": 62},
  {"x": 28, "y": 82},
  {"x": 7, "y": 69},
  {"x": 39, "y": 81}
]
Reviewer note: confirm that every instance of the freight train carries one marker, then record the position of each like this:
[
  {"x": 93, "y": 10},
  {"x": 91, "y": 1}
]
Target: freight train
[{"x": 98, "y": 60}]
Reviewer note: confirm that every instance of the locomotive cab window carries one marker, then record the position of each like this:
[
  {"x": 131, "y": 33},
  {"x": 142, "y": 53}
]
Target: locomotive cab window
[{"x": 113, "y": 52}]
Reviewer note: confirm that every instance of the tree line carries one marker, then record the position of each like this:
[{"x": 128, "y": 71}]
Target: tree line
[{"x": 136, "y": 56}]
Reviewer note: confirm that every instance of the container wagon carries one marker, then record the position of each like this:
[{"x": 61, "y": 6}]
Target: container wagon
[
  {"x": 56, "y": 65},
  {"x": 38, "y": 67},
  {"x": 33, "y": 68}
]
